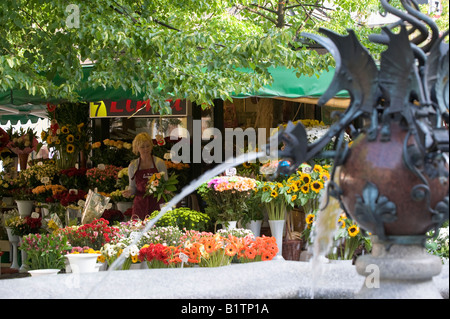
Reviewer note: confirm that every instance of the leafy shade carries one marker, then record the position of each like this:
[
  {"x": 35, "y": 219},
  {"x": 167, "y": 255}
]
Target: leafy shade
[{"x": 158, "y": 49}]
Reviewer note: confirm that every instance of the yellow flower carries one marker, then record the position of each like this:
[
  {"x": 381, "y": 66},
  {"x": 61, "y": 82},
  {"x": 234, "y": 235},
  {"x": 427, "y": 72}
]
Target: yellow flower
[
  {"x": 305, "y": 178},
  {"x": 318, "y": 169},
  {"x": 316, "y": 186},
  {"x": 65, "y": 129},
  {"x": 293, "y": 198},
  {"x": 70, "y": 148},
  {"x": 70, "y": 138},
  {"x": 79, "y": 126},
  {"x": 134, "y": 259},
  {"x": 305, "y": 189},
  {"x": 274, "y": 194},
  {"x": 341, "y": 222},
  {"x": 353, "y": 230},
  {"x": 309, "y": 219}
]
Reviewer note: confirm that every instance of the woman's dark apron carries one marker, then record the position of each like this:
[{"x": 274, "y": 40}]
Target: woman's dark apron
[{"x": 143, "y": 206}]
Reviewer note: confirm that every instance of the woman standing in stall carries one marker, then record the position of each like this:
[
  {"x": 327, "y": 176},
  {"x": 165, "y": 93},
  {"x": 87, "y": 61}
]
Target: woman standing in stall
[{"x": 139, "y": 171}]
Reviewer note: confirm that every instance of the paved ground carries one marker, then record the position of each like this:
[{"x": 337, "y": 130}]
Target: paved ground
[{"x": 263, "y": 280}]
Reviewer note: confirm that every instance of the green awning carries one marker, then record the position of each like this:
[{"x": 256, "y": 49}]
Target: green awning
[{"x": 285, "y": 85}]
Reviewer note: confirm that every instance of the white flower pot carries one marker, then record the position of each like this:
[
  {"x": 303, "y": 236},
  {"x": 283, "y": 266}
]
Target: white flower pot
[
  {"x": 255, "y": 227},
  {"x": 277, "y": 230},
  {"x": 43, "y": 272},
  {"x": 14, "y": 240},
  {"x": 25, "y": 207},
  {"x": 83, "y": 263},
  {"x": 231, "y": 224},
  {"x": 124, "y": 206}
]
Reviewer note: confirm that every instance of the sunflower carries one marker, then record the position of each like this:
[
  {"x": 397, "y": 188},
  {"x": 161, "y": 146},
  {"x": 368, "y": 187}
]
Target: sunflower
[
  {"x": 70, "y": 148},
  {"x": 305, "y": 189},
  {"x": 70, "y": 138},
  {"x": 274, "y": 194},
  {"x": 325, "y": 176},
  {"x": 316, "y": 186},
  {"x": 310, "y": 219},
  {"x": 65, "y": 130},
  {"x": 341, "y": 222},
  {"x": 353, "y": 230},
  {"x": 246, "y": 165},
  {"x": 318, "y": 169},
  {"x": 293, "y": 198},
  {"x": 305, "y": 178}
]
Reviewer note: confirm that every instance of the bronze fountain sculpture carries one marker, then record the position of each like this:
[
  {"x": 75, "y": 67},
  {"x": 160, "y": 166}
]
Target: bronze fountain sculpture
[{"x": 393, "y": 180}]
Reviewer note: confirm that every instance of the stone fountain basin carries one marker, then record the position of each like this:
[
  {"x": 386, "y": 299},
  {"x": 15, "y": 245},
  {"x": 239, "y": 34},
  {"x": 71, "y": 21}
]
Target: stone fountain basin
[{"x": 278, "y": 279}]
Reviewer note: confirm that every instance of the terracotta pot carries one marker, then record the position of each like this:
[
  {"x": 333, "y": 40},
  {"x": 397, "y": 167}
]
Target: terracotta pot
[{"x": 379, "y": 166}]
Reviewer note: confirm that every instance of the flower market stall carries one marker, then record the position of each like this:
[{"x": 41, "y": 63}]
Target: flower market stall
[{"x": 77, "y": 207}]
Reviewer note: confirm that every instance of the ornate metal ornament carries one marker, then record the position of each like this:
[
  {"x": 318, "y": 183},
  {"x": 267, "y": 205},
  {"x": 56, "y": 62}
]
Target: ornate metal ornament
[{"x": 393, "y": 180}]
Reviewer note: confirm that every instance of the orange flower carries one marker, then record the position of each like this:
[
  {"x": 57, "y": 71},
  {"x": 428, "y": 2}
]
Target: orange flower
[
  {"x": 230, "y": 250},
  {"x": 250, "y": 253},
  {"x": 266, "y": 255}
]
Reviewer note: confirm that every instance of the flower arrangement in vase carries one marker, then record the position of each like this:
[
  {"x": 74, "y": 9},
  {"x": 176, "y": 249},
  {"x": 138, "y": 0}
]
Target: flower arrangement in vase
[
  {"x": 226, "y": 197},
  {"x": 103, "y": 177},
  {"x": 27, "y": 225},
  {"x": 348, "y": 238},
  {"x": 181, "y": 170},
  {"x": 68, "y": 132},
  {"x": 45, "y": 251},
  {"x": 112, "y": 152}
]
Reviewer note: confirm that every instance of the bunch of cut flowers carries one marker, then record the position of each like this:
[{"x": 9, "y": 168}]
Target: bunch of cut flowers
[
  {"x": 160, "y": 256},
  {"x": 28, "y": 225},
  {"x": 159, "y": 187},
  {"x": 214, "y": 250},
  {"x": 71, "y": 197},
  {"x": 23, "y": 141},
  {"x": 124, "y": 247},
  {"x": 183, "y": 218},
  {"x": 41, "y": 173},
  {"x": 226, "y": 196},
  {"x": 47, "y": 193},
  {"x": 103, "y": 177},
  {"x": 45, "y": 251},
  {"x": 94, "y": 235},
  {"x": 74, "y": 178},
  {"x": 117, "y": 196},
  {"x": 347, "y": 239}
]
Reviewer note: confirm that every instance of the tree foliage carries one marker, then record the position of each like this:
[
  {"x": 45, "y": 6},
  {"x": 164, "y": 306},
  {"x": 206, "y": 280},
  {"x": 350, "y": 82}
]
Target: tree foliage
[{"x": 192, "y": 49}]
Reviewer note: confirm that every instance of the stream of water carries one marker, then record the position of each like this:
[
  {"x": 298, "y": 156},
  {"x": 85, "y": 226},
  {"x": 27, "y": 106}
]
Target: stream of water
[{"x": 246, "y": 157}]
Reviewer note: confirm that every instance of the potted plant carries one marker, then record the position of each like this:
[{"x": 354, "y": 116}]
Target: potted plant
[
  {"x": 24, "y": 199},
  {"x": 45, "y": 253},
  {"x": 226, "y": 197},
  {"x": 255, "y": 213},
  {"x": 183, "y": 218},
  {"x": 122, "y": 202}
]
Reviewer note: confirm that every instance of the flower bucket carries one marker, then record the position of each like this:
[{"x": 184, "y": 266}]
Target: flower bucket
[
  {"x": 291, "y": 249},
  {"x": 83, "y": 263},
  {"x": 229, "y": 224},
  {"x": 73, "y": 215},
  {"x": 124, "y": 206},
  {"x": 277, "y": 230},
  {"x": 25, "y": 207},
  {"x": 255, "y": 227},
  {"x": 43, "y": 272},
  {"x": 9, "y": 201},
  {"x": 348, "y": 262}
]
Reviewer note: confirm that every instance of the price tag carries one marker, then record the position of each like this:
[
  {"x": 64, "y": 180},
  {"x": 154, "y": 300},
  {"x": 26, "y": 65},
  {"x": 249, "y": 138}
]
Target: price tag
[
  {"x": 231, "y": 171},
  {"x": 184, "y": 258}
]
